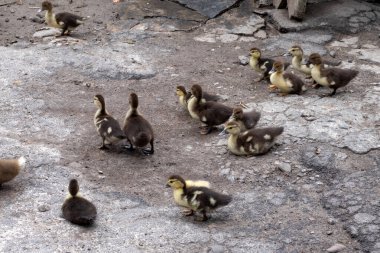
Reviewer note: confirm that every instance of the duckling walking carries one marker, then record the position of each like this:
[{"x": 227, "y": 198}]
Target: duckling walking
[
  {"x": 255, "y": 141},
  {"x": 198, "y": 199},
  {"x": 287, "y": 83},
  {"x": 261, "y": 65},
  {"x": 107, "y": 127},
  {"x": 76, "y": 209},
  {"x": 64, "y": 20},
  {"x": 209, "y": 113},
  {"x": 333, "y": 78},
  {"x": 9, "y": 168},
  {"x": 138, "y": 130}
]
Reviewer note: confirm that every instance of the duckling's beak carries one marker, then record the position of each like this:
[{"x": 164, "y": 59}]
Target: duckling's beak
[
  {"x": 272, "y": 71},
  {"x": 167, "y": 186},
  {"x": 223, "y": 133}
]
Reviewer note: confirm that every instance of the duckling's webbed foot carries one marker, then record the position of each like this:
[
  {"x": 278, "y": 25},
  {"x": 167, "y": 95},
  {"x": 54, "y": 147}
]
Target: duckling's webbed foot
[
  {"x": 203, "y": 218},
  {"x": 206, "y": 130},
  {"x": 148, "y": 151},
  {"x": 103, "y": 146},
  {"x": 129, "y": 147},
  {"x": 187, "y": 212}
]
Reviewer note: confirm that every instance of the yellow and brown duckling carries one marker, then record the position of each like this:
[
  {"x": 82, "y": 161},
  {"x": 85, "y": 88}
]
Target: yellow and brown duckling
[
  {"x": 287, "y": 83},
  {"x": 185, "y": 96},
  {"x": 209, "y": 113},
  {"x": 333, "y": 78},
  {"x": 107, "y": 127},
  {"x": 246, "y": 119},
  {"x": 198, "y": 199},
  {"x": 9, "y": 168},
  {"x": 259, "y": 64},
  {"x": 64, "y": 20},
  {"x": 138, "y": 130},
  {"x": 256, "y": 141},
  {"x": 76, "y": 209}
]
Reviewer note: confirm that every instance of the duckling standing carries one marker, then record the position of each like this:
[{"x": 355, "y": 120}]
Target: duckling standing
[
  {"x": 107, "y": 127},
  {"x": 64, "y": 20},
  {"x": 9, "y": 168},
  {"x": 255, "y": 141},
  {"x": 261, "y": 65},
  {"x": 76, "y": 209},
  {"x": 209, "y": 113},
  {"x": 198, "y": 199},
  {"x": 333, "y": 78},
  {"x": 246, "y": 119},
  {"x": 138, "y": 130},
  {"x": 287, "y": 83},
  {"x": 184, "y": 96}
]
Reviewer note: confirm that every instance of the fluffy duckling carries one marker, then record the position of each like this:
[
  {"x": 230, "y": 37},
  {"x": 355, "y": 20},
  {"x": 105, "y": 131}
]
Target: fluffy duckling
[
  {"x": 76, "y": 209},
  {"x": 107, "y": 127},
  {"x": 198, "y": 199},
  {"x": 287, "y": 83},
  {"x": 255, "y": 141},
  {"x": 9, "y": 168},
  {"x": 246, "y": 119},
  {"x": 138, "y": 130},
  {"x": 333, "y": 78},
  {"x": 184, "y": 96},
  {"x": 64, "y": 20},
  {"x": 261, "y": 65},
  {"x": 209, "y": 113}
]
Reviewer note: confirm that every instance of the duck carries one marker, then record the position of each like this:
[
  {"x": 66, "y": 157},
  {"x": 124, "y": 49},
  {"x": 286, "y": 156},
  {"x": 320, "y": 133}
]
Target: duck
[
  {"x": 9, "y": 168},
  {"x": 76, "y": 209},
  {"x": 333, "y": 78},
  {"x": 210, "y": 113},
  {"x": 107, "y": 127},
  {"x": 138, "y": 130},
  {"x": 261, "y": 65},
  {"x": 246, "y": 119},
  {"x": 256, "y": 141},
  {"x": 178, "y": 192},
  {"x": 287, "y": 83},
  {"x": 197, "y": 198},
  {"x": 64, "y": 20},
  {"x": 185, "y": 96}
]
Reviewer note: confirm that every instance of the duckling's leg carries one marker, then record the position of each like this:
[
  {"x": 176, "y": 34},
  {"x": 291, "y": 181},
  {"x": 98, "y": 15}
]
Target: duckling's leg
[
  {"x": 149, "y": 151},
  {"x": 188, "y": 212},
  {"x": 317, "y": 86},
  {"x": 103, "y": 146},
  {"x": 204, "y": 216},
  {"x": 333, "y": 93},
  {"x": 130, "y": 147},
  {"x": 206, "y": 130},
  {"x": 64, "y": 29}
]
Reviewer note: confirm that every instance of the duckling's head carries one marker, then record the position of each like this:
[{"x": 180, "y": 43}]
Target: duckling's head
[
  {"x": 296, "y": 51},
  {"x": 46, "y": 6},
  {"x": 315, "y": 59},
  {"x": 196, "y": 90},
  {"x": 181, "y": 91},
  {"x": 133, "y": 100},
  {"x": 73, "y": 187},
  {"x": 232, "y": 127},
  {"x": 176, "y": 182},
  {"x": 255, "y": 52},
  {"x": 237, "y": 113},
  {"x": 99, "y": 101},
  {"x": 278, "y": 66}
]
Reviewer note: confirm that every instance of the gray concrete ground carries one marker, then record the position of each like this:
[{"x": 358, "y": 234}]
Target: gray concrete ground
[{"x": 316, "y": 188}]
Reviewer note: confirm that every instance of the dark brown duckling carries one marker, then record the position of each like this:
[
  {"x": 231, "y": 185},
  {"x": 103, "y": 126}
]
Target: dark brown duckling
[
  {"x": 76, "y": 209},
  {"x": 246, "y": 119},
  {"x": 209, "y": 113},
  {"x": 198, "y": 199},
  {"x": 64, "y": 20},
  {"x": 9, "y": 168},
  {"x": 287, "y": 83},
  {"x": 333, "y": 78},
  {"x": 184, "y": 96},
  {"x": 107, "y": 127},
  {"x": 138, "y": 130}
]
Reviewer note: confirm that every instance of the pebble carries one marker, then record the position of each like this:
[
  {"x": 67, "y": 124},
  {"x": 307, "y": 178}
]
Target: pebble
[
  {"x": 332, "y": 54},
  {"x": 336, "y": 248},
  {"x": 6, "y": 20},
  {"x": 329, "y": 232},
  {"x": 43, "y": 208},
  {"x": 244, "y": 60},
  {"x": 284, "y": 167},
  {"x": 331, "y": 221}
]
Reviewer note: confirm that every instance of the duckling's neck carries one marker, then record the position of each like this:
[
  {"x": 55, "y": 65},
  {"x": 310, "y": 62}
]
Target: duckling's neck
[
  {"x": 296, "y": 60},
  {"x": 192, "y": 107},
  {"x": 132, "y": 112},
  {"x": 254, "y": 62},
  {"x": 182, "y": 100},
  {"x": 232, "y": 143}
]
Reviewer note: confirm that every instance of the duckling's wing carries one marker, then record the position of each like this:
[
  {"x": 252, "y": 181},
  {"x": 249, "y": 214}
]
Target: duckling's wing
[
  {"x": 294, "y": 82},
  {"x": 214, "y": 113},
  {"x": 79, "y": 211},
  {"x": 266, "y": 65},
  {"x": 201, "y": 197},
  {"x": 110, "y": 127},
  {"x": 210, "y": 97},
  {"x": 339, "y": 77},
  {"x": 69, "y": 19}
]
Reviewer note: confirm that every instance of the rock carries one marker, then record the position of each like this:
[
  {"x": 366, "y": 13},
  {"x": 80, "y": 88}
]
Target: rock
[
  {"x": 297, "y": 9},
  {"x": 43, "y": 208},
  {"x": 284, "y": 167},
  {"x": 244, "y": 60},
  {"x": 47, "y": 33},
  {"x": 210, "y": 38},
  {"x": 353, "y": 231},
  {"x": 361, "y": 142},
  {"x": 216, "y": 249},
  {"x": 208, "y": 8},
  {"x": 279, "y": 4},
  {"x": 336, "y": 248},
  {"x": 332, "y": 53},
  {"x": 227, "y": 38},
  {"x": 37, "y": 20},
  {"x": 261, "y": 34},
  {"x": 362, "y": 218},
  {"x": 318, "y": 159},
  {"x": 221, "y": 142}
]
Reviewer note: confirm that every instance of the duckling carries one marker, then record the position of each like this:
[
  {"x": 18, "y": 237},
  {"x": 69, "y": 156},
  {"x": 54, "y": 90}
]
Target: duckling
[
  {"x": 198, "y": 199},
  {"x": 184, "y": 96},
  {"x": 287, "y": 83},
  {"x": 209, "y": 113},
  {"x": 333, "y": 78},
  {"x": 107, "y": 127},
  {"x": 65, "y": 21},
  {"x": 76, "y": 209},
  {"x": 9, "y": 168},
  {"x": 246, "y": 119},
  {"x": 261, "y": 65},
  {"x": 138, "y": 130},
  {"x": 255, "y": 141}
]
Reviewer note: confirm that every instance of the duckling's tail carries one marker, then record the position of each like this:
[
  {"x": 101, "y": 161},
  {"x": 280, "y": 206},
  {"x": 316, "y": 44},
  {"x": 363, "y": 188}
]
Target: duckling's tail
[
  {"x": 276, "y": 131},
  {"x": 73, "y": 187},
  {"x": 223, "y": 199},
  {"x": 21, "y": 162}
]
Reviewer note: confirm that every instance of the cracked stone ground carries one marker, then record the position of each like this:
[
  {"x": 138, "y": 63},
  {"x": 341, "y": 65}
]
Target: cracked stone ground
[{"x": 317, "y": 187}]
